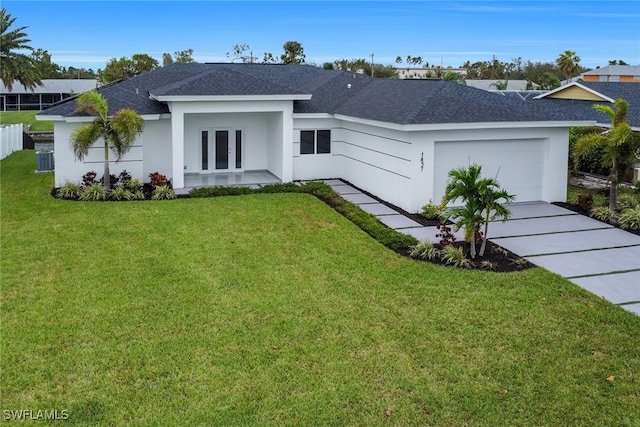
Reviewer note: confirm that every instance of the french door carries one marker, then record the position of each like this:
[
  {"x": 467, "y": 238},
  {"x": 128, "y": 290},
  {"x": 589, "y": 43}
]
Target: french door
[{"x": 221, "y": 150}]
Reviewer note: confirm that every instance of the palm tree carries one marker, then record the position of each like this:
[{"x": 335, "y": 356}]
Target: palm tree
[
  {"x": 483, "y": 201},
  {"x": 293, "y": 53},
  {"x": 620, "y": 146},
  {"x": 464, "y": 184},
  {"x": 493, "y": 200},
  {"x": 15, "y": 66},
  {"x": 568, "y": 63},
  {"x": 118, "y": 132}
]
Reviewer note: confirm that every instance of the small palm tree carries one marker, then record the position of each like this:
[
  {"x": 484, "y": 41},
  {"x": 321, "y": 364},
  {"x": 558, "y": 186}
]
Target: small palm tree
[
  {"x": 493, "y": 200},
  {"x": 118, "y": 132},
  {"x": 620, "y": 146},
  {"x": 464, "y": 184},
  {"x": 483, "y": 201},
  {"x": 15, "y": 66}
]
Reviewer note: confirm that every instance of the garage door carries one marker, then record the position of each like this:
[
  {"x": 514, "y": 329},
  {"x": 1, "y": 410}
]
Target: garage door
[{"x": 518, "y": 164}]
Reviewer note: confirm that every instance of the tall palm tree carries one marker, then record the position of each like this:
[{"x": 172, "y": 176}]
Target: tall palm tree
[
  {"x": 568, "y": 63},
  {"x": 118, "y": 132},
  {"x": 620, "y": 146},
  {"x": 15, "y": 65}
]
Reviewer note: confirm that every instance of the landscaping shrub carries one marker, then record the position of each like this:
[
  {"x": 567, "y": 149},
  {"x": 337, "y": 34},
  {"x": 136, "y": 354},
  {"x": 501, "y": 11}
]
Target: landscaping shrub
[
  {"x": 121, "y": 193},
  {"x": 630, "y": 218},
  {"x": 124, "y": 177},
  {"x": 603, "y": 213},
  {"x": 627, "y": 201},
  {"x": 133, "y": 185},
  {"x": 163, "y": 192},
  {"x": 94, "y": 192},
  {"x": 369, "y": 224},
  {"x": 69, "y": 191},
  {"x": 424, "y": 250},
  {"x": 319, "y": 189},
  {"x": 219, "y": 191},
  {"x": 113, "y": 180},
  {"x": 157, "y": 179},
  {"x": 636, "y": 189},
  {"x": 585, "y": 201},
  {"x": 287, "y": 187},
  {"x": 89, "y": 178},
  {"x": 445, "y": 234},
  {"x": 431, "y": 211},
  {"x": 455, "y": 257}
]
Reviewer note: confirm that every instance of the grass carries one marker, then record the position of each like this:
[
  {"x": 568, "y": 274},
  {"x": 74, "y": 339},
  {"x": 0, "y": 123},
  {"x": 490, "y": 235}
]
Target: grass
[
  {"x": 273, "y": 309},
  {"x": 27, "y": 118}
]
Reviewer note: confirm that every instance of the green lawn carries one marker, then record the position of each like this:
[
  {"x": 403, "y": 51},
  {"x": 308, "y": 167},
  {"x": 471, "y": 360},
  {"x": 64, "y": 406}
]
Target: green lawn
[
  {"x": 275, "y": 310},
  {"x": 27, "y": 118}
]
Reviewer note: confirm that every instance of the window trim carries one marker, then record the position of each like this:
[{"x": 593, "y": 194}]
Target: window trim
[{"x": 314, "y": 142}]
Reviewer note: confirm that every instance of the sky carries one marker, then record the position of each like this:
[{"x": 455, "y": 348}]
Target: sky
[{"x": 88, "y": 33}]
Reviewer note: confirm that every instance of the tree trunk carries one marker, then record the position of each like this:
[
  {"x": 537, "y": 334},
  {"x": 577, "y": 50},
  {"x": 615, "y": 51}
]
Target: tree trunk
[
  {"x": 106, "y": 178},
  {"x": 484, "y": 236},
  {"x": 473, "y": 247},
  {"x": 613, "y": 189}
]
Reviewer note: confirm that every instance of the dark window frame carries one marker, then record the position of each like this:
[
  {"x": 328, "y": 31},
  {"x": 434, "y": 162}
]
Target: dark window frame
[{"x": 316, "y": 141}]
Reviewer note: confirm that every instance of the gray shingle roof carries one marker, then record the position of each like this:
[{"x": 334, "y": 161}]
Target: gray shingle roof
[
  {"x": 584, "y": 109},
  {"x": 333, "y": 92}
]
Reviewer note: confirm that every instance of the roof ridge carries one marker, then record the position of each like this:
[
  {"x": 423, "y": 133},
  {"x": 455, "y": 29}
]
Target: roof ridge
[{"x": 424, "y": 102}]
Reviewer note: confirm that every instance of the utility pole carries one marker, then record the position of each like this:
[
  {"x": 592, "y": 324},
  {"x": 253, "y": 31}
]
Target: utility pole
[{"x": 372, "y": 65}]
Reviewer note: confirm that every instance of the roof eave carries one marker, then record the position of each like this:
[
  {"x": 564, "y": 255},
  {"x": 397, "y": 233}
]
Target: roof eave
[
  {"x": 188, "y": 98},
  {"x": 468, "y": 125}
]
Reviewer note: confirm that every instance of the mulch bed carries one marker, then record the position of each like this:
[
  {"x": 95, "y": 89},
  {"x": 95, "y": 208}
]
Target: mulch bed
[{"x": 495, "y": 258}]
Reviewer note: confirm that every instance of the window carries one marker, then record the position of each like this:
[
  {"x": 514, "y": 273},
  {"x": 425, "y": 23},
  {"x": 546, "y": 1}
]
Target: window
[
  {"x": 205, "y": 150},
  {"x": 615, "y": 78},
  {"x": 315, "y": 142},
  {"x": 603, "y": 78}
]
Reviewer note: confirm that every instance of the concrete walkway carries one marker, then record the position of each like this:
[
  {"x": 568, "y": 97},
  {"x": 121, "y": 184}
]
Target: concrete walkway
[{"x": 596, "y": 256}]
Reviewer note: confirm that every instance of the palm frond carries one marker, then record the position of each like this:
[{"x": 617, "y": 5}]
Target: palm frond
[
  {"x": 126, "y": 125},
  {"x": 83, "y": 138},
  {"x": 93, "y": 104}
]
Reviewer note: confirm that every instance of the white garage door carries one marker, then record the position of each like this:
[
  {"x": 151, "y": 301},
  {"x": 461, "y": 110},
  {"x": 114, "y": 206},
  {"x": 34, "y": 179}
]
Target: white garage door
[{"x": 518, "y": 164}]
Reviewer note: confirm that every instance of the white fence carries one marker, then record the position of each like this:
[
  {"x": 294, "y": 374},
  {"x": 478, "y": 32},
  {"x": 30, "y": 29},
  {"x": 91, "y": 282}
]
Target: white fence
[{"x": 10, "y": 139}]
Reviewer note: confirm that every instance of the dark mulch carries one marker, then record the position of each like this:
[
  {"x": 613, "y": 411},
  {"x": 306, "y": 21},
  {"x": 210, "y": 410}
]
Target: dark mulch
[{"x": 495, "y": 258}]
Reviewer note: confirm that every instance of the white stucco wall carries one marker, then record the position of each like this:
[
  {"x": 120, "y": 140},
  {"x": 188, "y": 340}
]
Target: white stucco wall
[
  {"x": 377, "y": 160},
  {"x": 317, "y": 166},
  {"x": 409, "y": 168},
  {"x": 157, "y": 148},
  {"x": 68, "y": 169}
]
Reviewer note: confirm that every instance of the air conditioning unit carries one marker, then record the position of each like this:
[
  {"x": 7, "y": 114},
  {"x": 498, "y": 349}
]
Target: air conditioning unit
[{"x": 44, "y": 161}]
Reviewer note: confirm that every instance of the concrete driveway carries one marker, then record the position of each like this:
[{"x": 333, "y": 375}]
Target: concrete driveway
[{"x": 596, "y": 256}]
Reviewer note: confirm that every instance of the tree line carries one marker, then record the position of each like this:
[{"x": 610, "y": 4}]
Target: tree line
[{"x": 30, "y": 69}]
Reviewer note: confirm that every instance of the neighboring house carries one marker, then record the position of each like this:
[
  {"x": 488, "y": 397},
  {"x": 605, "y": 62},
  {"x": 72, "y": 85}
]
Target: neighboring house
[
  {"x": 397, "y": 139},
  {"x": 579, "y": 99},
  {"x": 52, "y": 91},
  {"x": 614, "y": 73},
  {"x": 494, "y": 85},
  {"x": 428, "y": 73}
]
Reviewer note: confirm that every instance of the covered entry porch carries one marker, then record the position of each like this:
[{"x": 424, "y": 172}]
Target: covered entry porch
[{"x": 229, "y": 179}]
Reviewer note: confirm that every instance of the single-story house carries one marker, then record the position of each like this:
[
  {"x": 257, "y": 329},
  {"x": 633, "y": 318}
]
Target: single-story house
[
  {"x": 20, "y": 98},
  {"x": 396, "y": 139}
]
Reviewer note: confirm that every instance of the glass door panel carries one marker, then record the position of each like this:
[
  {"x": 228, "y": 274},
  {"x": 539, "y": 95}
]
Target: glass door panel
[{"x": 222, "y": 149}]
